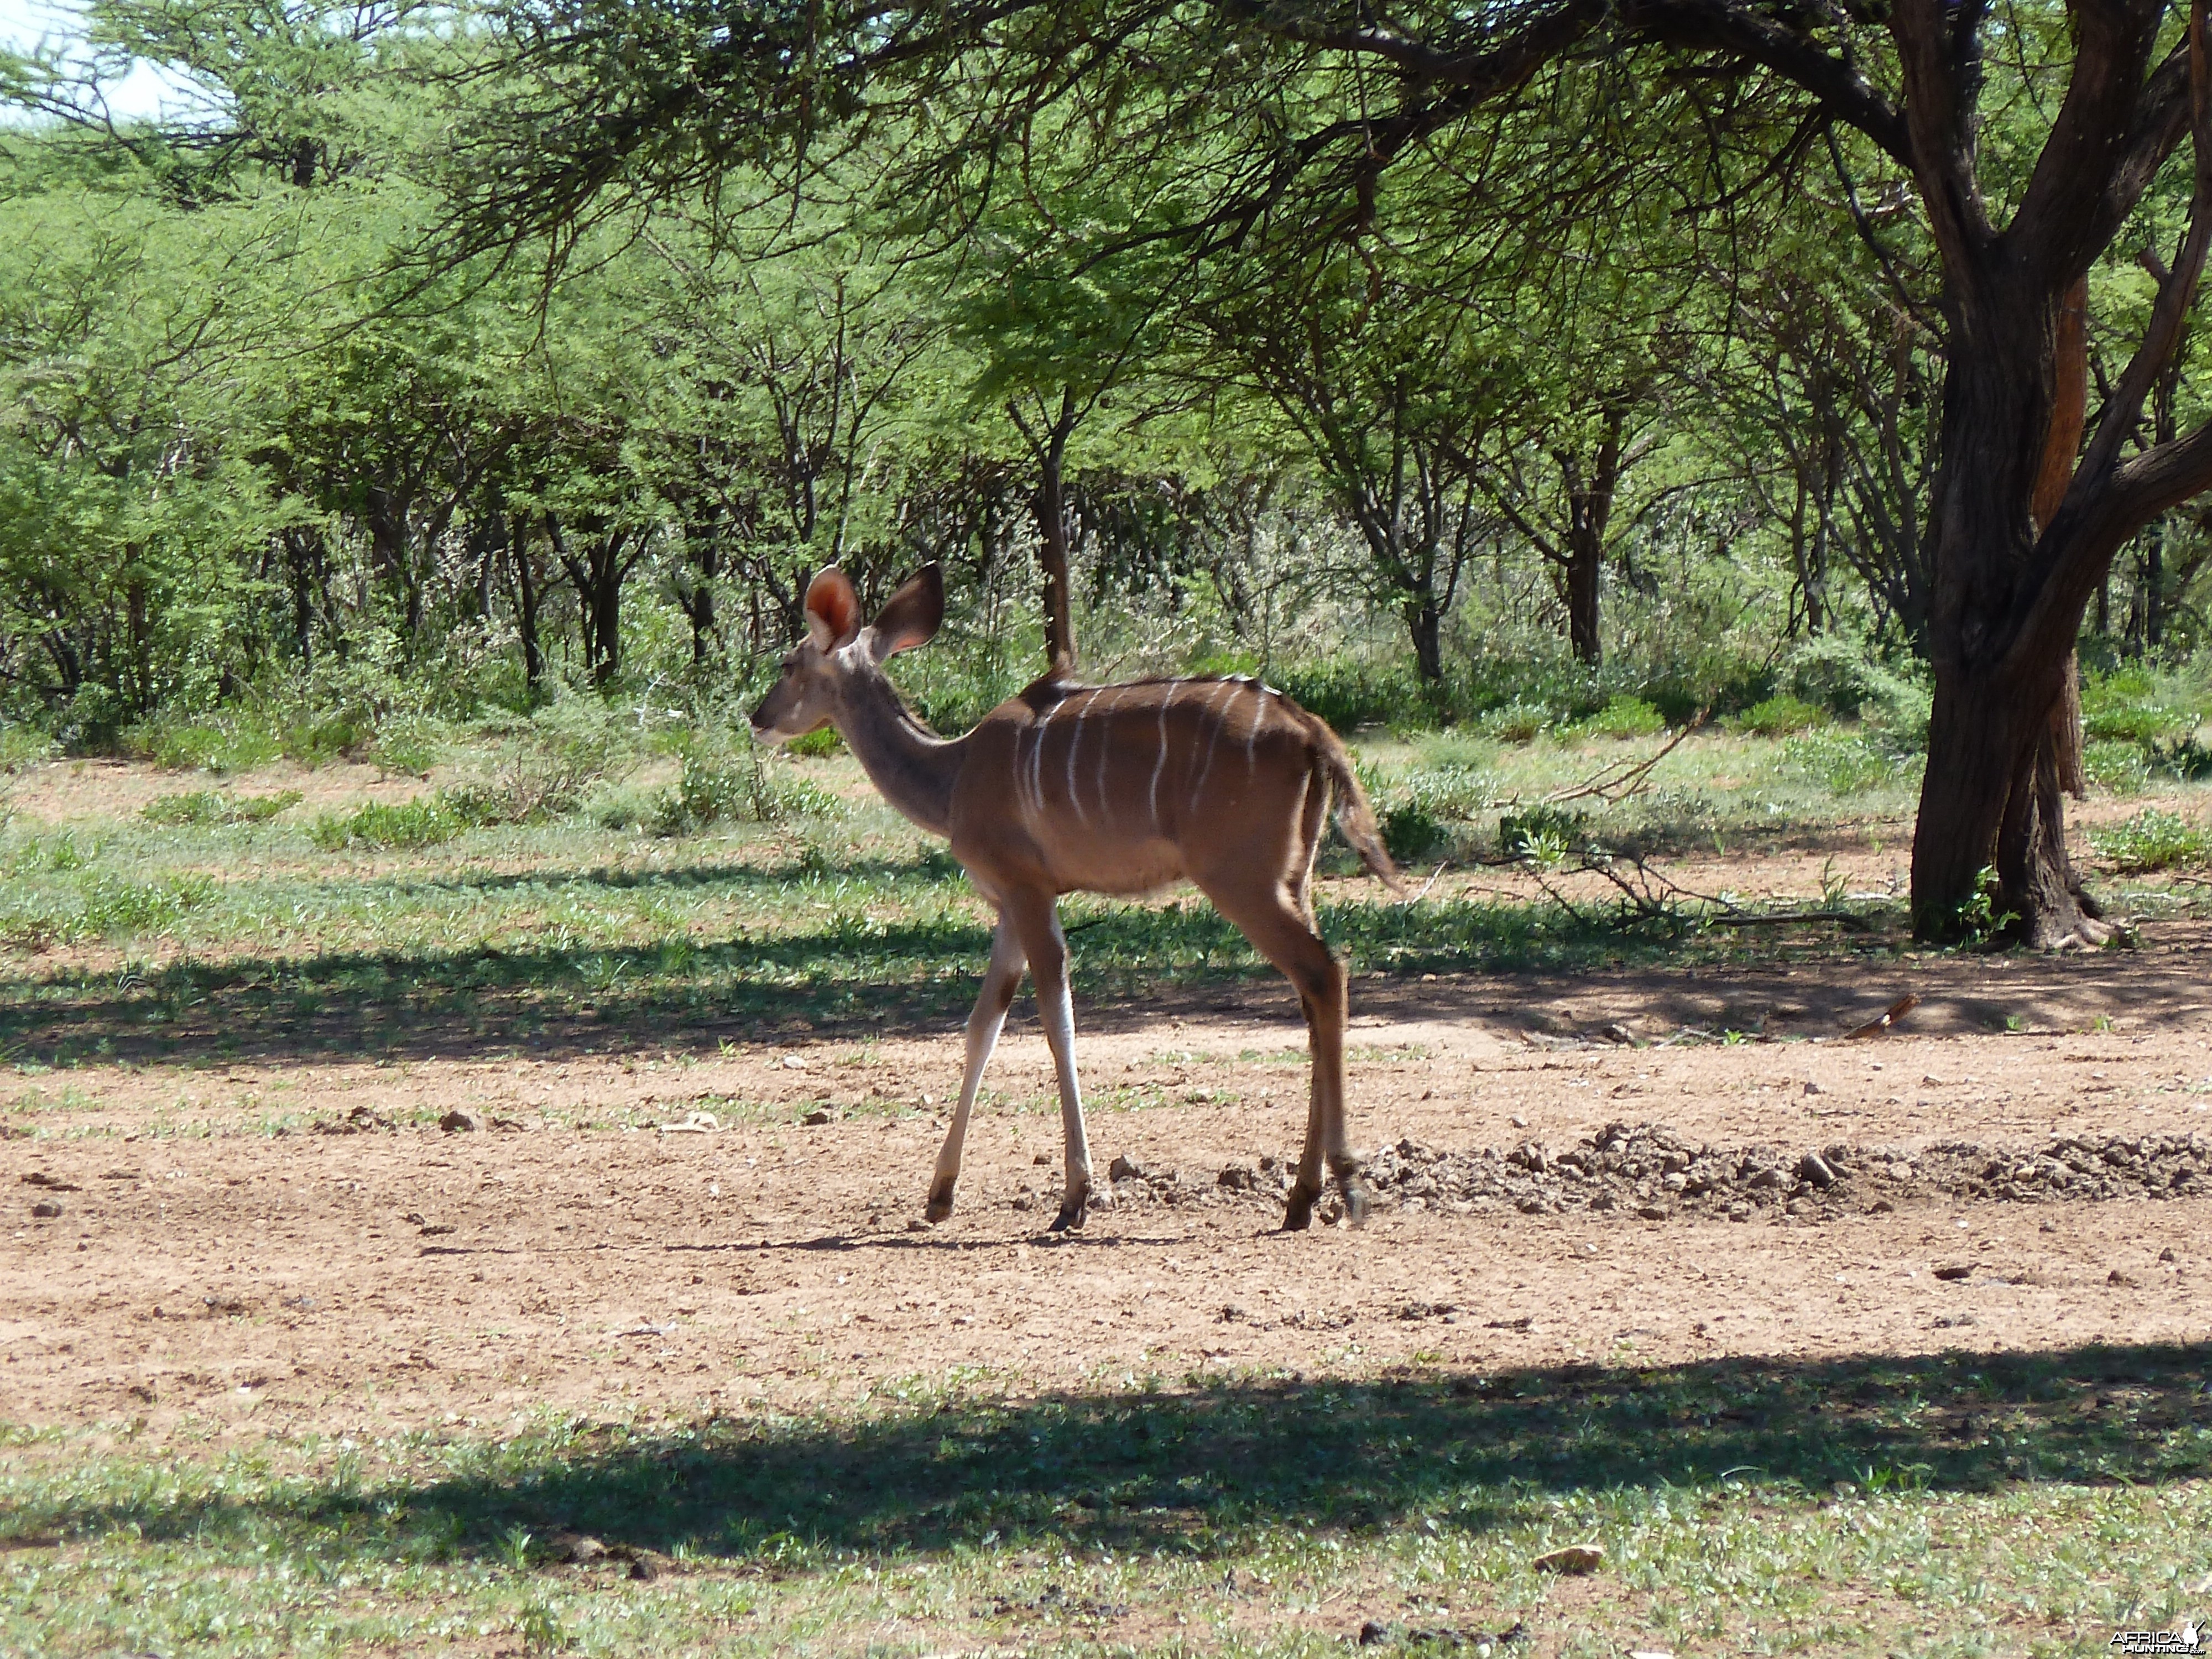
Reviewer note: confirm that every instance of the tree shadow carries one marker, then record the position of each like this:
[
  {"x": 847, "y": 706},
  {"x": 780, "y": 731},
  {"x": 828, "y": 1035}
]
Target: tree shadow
[
  {"x": 1133, "y": 1470},
  {"x": 850, "y": 976}
]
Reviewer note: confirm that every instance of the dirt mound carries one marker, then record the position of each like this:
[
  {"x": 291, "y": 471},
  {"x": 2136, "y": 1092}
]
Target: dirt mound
[{"x": 1650, "y": 1172}]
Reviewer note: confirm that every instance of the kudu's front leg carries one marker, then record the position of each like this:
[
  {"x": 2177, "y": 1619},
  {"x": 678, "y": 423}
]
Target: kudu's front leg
[
  {"x": 1038, "y": 917},
  {"x": 985, "y": 1022}
]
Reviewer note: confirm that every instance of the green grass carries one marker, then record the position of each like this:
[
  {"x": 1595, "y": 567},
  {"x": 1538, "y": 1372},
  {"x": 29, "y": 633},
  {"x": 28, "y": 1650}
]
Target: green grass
[
  {"x": 1956, "y": 1504},
  {"x": 203, "y": 806},
  {"x": 2153, "y": 840}
]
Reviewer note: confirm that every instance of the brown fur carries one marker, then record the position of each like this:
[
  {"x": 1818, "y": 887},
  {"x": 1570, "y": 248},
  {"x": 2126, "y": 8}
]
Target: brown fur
[{"x": 1120, "y": 789}]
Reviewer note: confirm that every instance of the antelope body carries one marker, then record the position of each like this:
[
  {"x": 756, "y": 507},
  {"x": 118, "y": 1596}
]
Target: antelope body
[{"x": 1118, "y": 789}]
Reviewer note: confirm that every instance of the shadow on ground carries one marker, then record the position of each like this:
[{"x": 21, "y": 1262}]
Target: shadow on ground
[
  {"x": 1133, "y": 1470},
  {"x": 853, "y": 976}
]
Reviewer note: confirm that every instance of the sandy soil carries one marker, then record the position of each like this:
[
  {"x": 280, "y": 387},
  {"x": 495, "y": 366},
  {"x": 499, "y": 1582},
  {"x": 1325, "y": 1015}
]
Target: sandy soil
[{"x": 202, "y": 1272}]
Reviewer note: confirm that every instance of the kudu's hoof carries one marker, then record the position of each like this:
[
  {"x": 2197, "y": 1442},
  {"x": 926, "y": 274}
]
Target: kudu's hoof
[
  {"x": 1071, "y": 1216},
  {"x": 1297, "y": 1213},
  {"x": 940, "y": 1203},
  {"x": 1355, "y": 1201}
]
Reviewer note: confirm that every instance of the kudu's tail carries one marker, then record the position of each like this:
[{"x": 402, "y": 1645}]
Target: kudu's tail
[{"x": 1354, "y": 816}]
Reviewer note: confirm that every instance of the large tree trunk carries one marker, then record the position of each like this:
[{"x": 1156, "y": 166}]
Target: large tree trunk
[
  {"x": 1582, "y": 573},
  {"x": 1425, "y": 622},
  {"x": 2003, "y": 741}
]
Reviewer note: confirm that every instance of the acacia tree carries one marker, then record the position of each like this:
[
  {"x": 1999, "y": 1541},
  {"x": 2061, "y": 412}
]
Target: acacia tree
[
  {"x": 1386, "y": 385},
  {"x": 1269, "y": 102}
]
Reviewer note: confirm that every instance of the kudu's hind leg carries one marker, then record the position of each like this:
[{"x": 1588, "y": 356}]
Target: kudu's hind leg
[
  {"x": 985, "y": 1022},
  {"x": 1279, "y": 921},
  {"x": 1038, "y": 918}
]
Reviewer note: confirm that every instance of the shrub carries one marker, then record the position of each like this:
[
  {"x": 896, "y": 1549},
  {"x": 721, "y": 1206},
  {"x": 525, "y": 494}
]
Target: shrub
[
  {"x": 1625, "y": 717},
  {"x": 1779, "y": 716},
  {"x": 1411, "y": 832},
  {"x": 720, "y": 787},
  {"x": 813, "y": 745},
  {"x": 2153, "y": 840},
  {"x": 2128, "y": 706},
  {"x": 213, "y": 806},
  {"x": 1541, "y": 833},
  {"x": 1516, "y": 722},
  {"x": 1348, "y": 694},
  {"x": 2120, "y": 767}
]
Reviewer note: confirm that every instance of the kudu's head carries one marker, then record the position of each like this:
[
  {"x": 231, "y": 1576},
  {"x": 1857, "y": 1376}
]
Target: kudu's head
[{"x": 838, "y": 648}]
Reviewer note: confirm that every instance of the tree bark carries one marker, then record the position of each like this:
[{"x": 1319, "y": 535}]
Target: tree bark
[
  {"x": 1048, "y": 445},
  {"x": 1050, "y": 506},
  {"x": 2003, "y": 740},
  {"x": 526, "y": 604}
]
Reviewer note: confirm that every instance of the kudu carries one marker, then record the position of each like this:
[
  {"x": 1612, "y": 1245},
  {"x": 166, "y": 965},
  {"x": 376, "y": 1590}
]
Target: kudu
[{"x": 1105, "y": 789}]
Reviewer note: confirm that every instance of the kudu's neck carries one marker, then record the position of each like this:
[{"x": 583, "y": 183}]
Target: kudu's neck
[{"x": 913, "y": 766}]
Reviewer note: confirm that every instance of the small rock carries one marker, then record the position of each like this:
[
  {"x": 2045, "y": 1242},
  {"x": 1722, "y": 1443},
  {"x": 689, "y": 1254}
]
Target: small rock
[
  {"x": 1374, "y": 1633},
  {"x": 2126, "y": 1282},
  {"x": 1956, "y": 1270},
  {"x": 1518, "y": 1121},
  {"x": 1812, "y": 1088},
  {"x": 1954, "y": 1321},
  {"x": 1653, "y": 1212},
  {"x": 1574, "y": 1558},
  {"x": 46, "y": 1211},
  {"x": 2167, "y": 1255},
  {"x": 1041, "y": 1159},
  {"x": 461, "y": 1119},
  {"x": 1814, "y": 1167},
  {"x": 1125, "y": 1168},
  {"x": 577, "y": 1547},
  {"x": 1238, "y": 1178},
  {"x": 820, "y": 1115}
]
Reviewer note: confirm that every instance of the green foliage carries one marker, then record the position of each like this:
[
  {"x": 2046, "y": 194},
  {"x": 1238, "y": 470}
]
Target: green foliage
[
  {"x": 1542, "y": 835},
  {"x": 213, "y": 806},
  {"x": 1779, "y": 716},
  {"x": 2121, "y": 768},
  {"x": 2130, "y": 706},
  {"x": 423, "y": 822},
  {"x": 719, "y": 787},
  {"x": 1844, "y": 763},
  {"x": 1625, "y": 717},
  {"x": 1516, "y": 722},
  {"x": 2153, "y": 840},
  {"x": 816, "y": 745},
  {"x": 1351, "y": 693}
]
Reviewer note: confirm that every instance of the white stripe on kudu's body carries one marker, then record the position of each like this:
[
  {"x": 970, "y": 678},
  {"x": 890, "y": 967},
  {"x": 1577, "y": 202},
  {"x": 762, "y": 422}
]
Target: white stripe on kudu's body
[{"x": 1247, "y": 842}]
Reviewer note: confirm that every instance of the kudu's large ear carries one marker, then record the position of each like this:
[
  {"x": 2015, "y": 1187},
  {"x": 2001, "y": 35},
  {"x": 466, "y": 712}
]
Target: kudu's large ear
[
  {"x": 911, "y": 616},
  {"x": 833, "y": 609}
]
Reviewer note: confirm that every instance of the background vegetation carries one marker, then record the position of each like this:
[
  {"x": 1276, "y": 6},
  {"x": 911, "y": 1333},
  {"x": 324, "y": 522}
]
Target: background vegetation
[{"x": 287, "y": 470}]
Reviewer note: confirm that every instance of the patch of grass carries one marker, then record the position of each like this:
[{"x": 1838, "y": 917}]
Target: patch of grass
[
  {"x": 816, "y": 745},
  {"x": 101, "y": 905},
  {"x": 423, "y": 822},
  {"x": 1854, "y": 1507},
  {"x": 2153, "y": 840},
  {"x": 213, "y": 806},
  {"x": 1843, "y": 763},
  {"x": 1779, "y": 716}
]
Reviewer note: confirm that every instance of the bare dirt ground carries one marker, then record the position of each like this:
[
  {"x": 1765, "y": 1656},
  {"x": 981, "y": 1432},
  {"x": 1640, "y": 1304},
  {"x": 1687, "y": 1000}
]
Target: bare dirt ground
[{"x": 2022, "y": 1163}]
